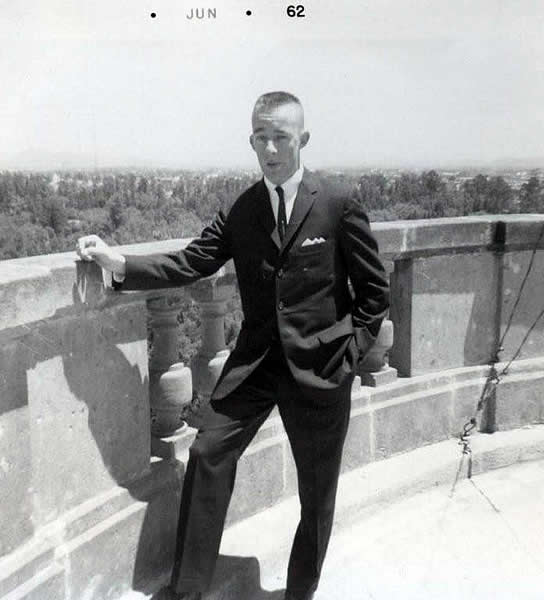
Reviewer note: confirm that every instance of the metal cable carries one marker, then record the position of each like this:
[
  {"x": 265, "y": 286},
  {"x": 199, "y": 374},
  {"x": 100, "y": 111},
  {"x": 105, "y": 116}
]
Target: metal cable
[
  {"x": 514, "y": 308},
  {"x": 494, "y": 378}
]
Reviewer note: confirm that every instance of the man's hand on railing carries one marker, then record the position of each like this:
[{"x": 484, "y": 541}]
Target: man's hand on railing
[{"x": 91, "y": 247}]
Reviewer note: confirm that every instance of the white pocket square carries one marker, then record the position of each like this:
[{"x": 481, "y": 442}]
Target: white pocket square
[{"x": 313, "y": 241}]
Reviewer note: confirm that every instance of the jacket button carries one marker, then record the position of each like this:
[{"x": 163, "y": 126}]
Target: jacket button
[
  {"x": 280, "y": 273},
  {"x": 281, "y": 305}
]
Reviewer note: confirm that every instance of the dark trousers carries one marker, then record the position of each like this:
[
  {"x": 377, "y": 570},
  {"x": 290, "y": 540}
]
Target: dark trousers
[{"x": 316, "y": 434}]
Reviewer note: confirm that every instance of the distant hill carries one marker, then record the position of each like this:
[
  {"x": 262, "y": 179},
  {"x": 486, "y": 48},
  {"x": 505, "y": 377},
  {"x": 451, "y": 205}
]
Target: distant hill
[
  {"x": 36, "y": 159},
  {"x": 519, "y": 163}
]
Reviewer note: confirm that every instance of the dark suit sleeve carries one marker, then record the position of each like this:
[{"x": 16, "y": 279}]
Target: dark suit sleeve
[
  {"x": 202, "y": 257},
  {"x": 366, "y": 272}
]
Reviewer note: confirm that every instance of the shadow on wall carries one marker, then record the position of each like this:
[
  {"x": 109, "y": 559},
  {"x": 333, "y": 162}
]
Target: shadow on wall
[
  {"x": 106, "y": 370},
  {"x": 492, "y": 306},
  {"x": 444, "y": 312},
  {"x": 483, "y": 319},
  {"x": 118, "y": 419},
  {"x": 77, "y": 417},
  {"x": 74, "y": 423}
]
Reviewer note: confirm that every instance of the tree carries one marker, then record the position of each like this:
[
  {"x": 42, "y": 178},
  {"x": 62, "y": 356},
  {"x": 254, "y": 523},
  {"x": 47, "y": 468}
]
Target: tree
[
  {"x": 131, "y": 186},
  {"x": 371, "y": 191},
  {"x": 51, "y": 212},
  {"x": 531, "y": 197},
  {"x": 407, "y": 189},
  {"x": 476, "y": 191},
  {"x": 97, "y": 220},
  {"x": 405, "y": 210},
  {"x": 8, "y": 197},
  {"x": 116, "y": 208},
  {"x": 108, "y": 186},
  {"x": 25, "y": 239},
  {"x": 499, "y": 196},
  {"x": 432, "y": 182},
  {"x": 142, "y": 185}
]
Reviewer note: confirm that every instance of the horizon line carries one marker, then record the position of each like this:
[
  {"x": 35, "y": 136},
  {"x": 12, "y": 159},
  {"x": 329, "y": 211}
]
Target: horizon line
[{"x": 514, "y": 163}]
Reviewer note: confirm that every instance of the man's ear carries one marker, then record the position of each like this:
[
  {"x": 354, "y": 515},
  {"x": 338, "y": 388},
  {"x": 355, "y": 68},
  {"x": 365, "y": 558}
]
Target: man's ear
[
  {"x": 252, "y": 141},
  {"x": 304, "y": 138}
]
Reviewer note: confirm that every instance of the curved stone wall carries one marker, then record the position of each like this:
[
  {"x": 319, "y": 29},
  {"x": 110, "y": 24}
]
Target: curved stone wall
[{"x": 89, "y": 498}]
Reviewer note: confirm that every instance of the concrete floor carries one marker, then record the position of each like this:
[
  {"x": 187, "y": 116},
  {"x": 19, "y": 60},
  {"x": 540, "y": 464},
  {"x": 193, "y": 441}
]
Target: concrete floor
[{"x": 484, "y": 542}]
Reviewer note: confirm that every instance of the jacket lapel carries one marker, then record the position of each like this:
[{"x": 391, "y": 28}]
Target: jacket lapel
[
  {"x": 265, "y": 213},
  {"x": 306, "y": 196}
]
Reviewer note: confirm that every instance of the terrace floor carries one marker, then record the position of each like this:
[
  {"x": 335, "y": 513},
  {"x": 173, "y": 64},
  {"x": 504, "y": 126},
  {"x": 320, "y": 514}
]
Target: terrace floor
[{"x": 484, "y": 541}]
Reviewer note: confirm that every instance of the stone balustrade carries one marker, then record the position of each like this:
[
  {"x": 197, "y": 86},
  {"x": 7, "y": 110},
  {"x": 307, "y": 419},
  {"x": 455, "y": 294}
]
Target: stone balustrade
[{"x": 92, "y": 434}]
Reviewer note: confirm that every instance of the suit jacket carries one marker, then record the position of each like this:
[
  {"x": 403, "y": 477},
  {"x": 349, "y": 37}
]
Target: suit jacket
[{"x": 294, "y": 294}]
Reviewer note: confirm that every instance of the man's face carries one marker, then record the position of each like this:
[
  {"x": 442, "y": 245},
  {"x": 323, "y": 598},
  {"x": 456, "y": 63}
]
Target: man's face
[{"x": 278, "y": 135}]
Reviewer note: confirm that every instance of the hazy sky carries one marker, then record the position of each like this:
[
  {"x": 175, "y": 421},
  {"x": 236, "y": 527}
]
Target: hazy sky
[{"x": 382, "y": 81}]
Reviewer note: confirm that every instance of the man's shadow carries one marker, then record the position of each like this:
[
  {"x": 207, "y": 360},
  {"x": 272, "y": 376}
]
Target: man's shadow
[
  {"x": 100, "y": 345},
  {"x": 237, "y": 578}
]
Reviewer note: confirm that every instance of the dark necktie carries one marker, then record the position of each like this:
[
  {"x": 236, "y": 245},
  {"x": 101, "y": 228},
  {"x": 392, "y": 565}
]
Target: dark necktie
[{"x": 282, "y": 215}]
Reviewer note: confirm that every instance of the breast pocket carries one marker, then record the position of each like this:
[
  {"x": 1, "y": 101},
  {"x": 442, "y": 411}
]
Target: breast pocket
[{"x": 314, "y": 260}]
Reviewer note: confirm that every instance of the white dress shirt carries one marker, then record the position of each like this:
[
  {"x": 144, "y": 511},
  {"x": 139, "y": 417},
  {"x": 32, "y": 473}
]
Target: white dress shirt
[{"x": 290, "y": 190}]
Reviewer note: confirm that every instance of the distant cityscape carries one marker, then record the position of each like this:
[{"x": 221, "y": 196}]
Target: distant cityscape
[{"x": 169, "y": 177}]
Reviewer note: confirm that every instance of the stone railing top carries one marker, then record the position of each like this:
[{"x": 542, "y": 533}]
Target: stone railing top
[
  {"x": 40, "y": 287},
  {"x": 424, "y": 237}
]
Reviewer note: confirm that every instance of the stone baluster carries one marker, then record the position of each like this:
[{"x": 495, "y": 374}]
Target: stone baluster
[
  {"x": 375, "y": 370},
  {"x": 170, "y": 381},
  {"x": 212, "y": 295}
]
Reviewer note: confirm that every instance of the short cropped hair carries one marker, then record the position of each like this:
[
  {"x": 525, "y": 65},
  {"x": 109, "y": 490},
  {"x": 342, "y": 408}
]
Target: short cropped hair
[{"x": 273, "y": 99}]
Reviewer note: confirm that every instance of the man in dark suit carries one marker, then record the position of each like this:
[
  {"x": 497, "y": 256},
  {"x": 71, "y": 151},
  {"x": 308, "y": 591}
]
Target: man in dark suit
[{"x": 295, "y": 240}]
